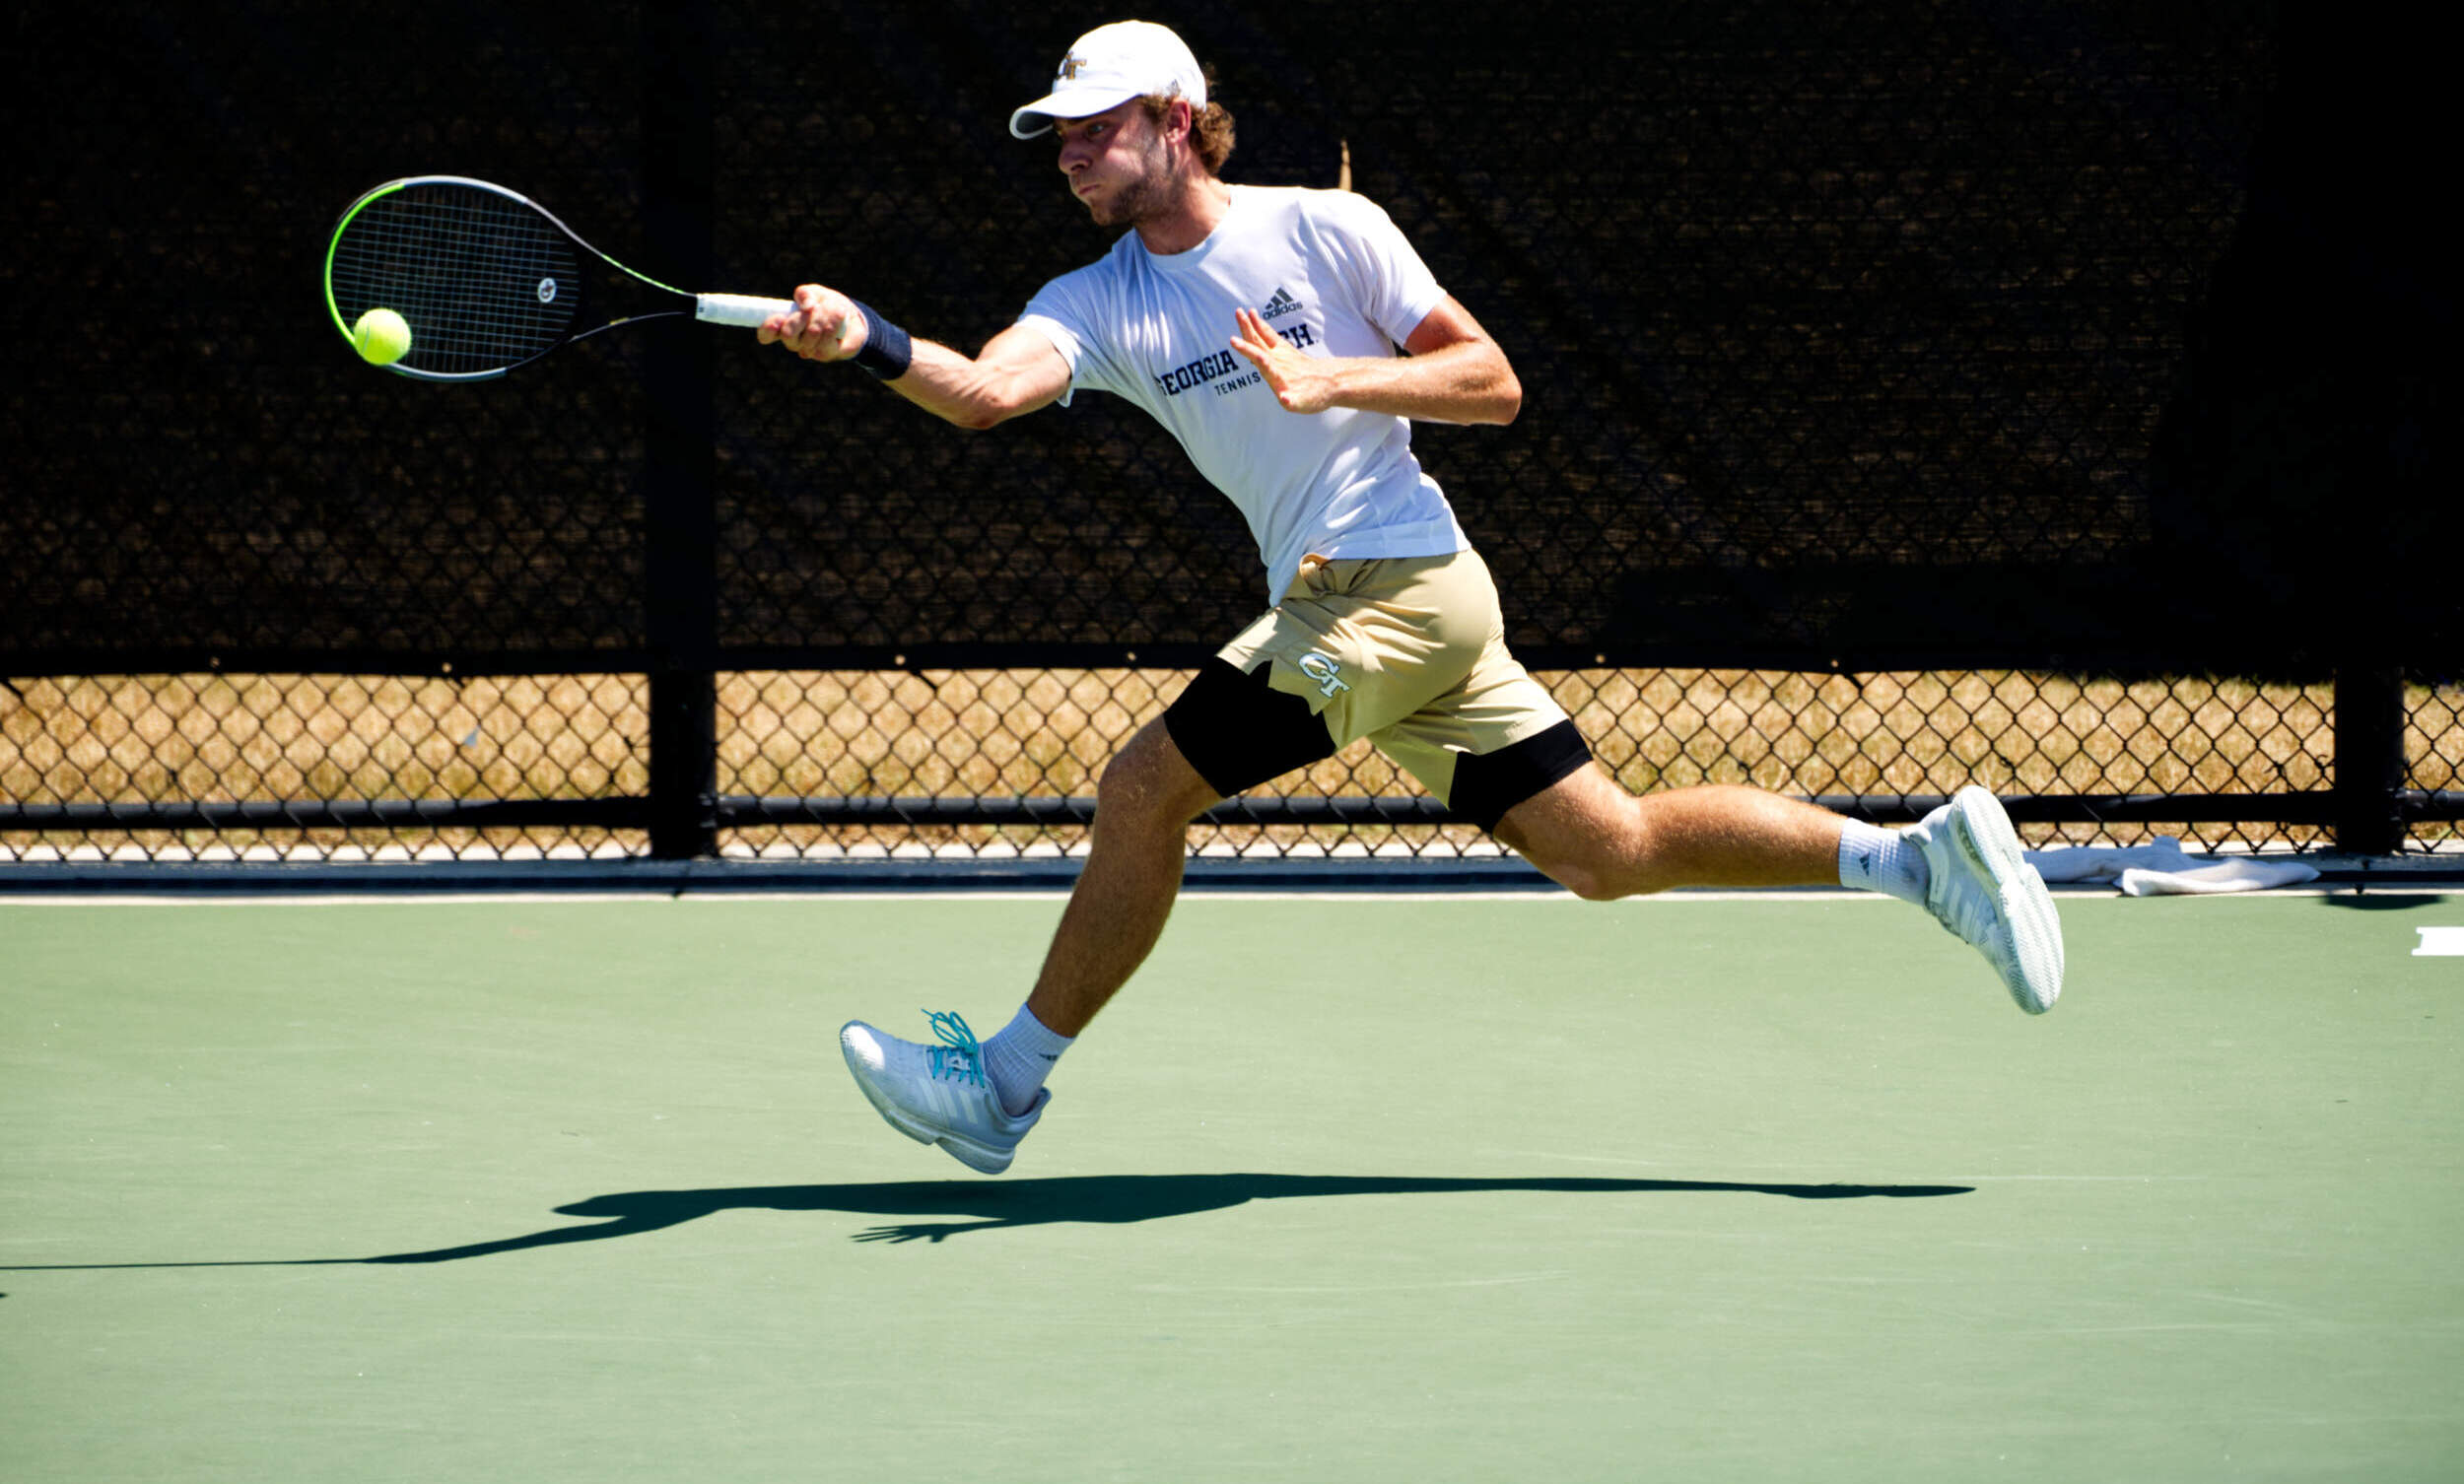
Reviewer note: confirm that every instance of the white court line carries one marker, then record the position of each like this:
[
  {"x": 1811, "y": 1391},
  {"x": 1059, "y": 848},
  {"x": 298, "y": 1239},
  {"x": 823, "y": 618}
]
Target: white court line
[
  {"x": 1192, "y": 895},
  {"x": 303, "y": 899},
  {"x": 2440, "y": 943},
  {"x": 1188, "y": 896}
]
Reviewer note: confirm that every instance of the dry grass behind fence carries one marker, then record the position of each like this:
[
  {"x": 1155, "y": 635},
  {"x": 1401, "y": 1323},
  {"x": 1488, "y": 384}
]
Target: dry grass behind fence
[{"x": 1045, "y": 733}]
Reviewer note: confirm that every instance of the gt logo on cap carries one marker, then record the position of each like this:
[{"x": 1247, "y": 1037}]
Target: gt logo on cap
[{"x": 1109, "y": 66}]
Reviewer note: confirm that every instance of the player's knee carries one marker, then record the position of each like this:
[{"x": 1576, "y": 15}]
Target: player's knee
[
  {"x": 1593, "y": 842},
  {"x": 1127, "y": 782},
  {"x": 1591, "y": 880},
  {"x": 1149, "y": 780},
  {"x": 1588, "y": 870}
]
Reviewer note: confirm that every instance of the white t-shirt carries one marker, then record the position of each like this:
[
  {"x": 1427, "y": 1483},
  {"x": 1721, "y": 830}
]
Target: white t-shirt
[{"x": 1332, "y": 275}]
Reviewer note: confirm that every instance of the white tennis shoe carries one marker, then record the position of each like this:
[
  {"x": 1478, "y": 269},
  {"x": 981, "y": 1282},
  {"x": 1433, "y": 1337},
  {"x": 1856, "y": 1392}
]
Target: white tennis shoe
[
  {"x": 1981, "y": 888},
  {"x": 939, "y": 1094}
]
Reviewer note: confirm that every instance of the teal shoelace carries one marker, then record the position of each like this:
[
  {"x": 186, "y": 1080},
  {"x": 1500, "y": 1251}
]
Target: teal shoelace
[{"x": 958, "y": 1058}]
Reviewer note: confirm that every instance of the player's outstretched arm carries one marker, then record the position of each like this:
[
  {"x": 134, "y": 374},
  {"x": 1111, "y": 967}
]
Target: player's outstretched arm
[
  {"x": 1018, "y": 371},
  {"x": 1454, "y": 372}
]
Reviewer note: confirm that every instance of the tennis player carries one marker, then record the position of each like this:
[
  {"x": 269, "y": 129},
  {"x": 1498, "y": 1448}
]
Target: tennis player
[{"x": 1260, "y": 326}]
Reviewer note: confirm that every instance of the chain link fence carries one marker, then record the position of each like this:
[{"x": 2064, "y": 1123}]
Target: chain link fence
[
  {"x": 977, "y": 763},
  {"x": 1916, "y": 394}
]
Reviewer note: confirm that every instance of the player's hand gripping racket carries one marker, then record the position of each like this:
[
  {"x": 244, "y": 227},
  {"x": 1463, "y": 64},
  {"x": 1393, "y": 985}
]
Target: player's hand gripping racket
[{"x": 483, "y": 280}]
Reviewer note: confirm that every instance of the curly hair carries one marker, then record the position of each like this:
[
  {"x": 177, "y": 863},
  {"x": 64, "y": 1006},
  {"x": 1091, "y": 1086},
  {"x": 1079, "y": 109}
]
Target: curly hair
[{"x": 1210, "y": 131}]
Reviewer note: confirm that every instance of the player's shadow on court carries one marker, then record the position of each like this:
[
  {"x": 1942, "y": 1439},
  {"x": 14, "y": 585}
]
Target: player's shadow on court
[
  {"x": 1105, "y": 1200},
  {"x": 1008, "y": 1205},
  {"x": 2381, "y": 900}
]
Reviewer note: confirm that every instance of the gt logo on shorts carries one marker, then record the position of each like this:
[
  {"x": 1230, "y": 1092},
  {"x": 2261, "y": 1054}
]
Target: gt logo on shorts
[{"x": 1325, "y": 672}]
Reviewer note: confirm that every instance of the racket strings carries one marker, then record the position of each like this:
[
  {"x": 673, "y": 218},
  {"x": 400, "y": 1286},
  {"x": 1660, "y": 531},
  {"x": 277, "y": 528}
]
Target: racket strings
[{"x": 483, "y": 281}]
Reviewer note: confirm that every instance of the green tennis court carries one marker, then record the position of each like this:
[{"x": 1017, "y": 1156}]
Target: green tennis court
[{"x": 1699, "y": 1188}]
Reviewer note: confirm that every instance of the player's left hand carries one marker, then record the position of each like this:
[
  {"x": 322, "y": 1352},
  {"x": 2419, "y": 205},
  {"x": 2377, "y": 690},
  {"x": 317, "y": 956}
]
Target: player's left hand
[{"x": 1301, "y": 382}]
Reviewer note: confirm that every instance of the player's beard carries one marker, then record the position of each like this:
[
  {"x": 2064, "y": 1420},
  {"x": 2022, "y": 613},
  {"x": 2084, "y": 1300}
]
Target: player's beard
[{"x": 1146, "y": 196}]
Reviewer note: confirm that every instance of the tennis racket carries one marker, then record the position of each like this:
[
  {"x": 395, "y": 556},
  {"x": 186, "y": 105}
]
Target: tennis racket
[{"x": 486, "y": 279}]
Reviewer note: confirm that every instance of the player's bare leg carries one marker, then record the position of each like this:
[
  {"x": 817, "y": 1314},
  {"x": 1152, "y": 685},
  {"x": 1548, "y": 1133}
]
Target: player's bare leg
[
  {"x": 1600, "y": 842},
  {"x": 1143, "y": 806},
  {"x": 1962, "y": 862}
]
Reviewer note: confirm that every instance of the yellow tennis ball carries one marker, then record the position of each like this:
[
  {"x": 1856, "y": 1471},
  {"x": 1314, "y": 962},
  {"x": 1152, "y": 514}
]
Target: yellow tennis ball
[{"x": 382, "y": 336}]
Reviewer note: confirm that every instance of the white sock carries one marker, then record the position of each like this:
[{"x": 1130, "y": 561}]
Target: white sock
[
  {"x": 1882, "y": 860},
  {"x": 1019, "y": 1059}
]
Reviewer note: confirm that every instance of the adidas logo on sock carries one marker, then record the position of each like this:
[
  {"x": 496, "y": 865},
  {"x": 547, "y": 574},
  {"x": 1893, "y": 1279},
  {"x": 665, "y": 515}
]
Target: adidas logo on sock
[{"x": 1282, "y": 304}]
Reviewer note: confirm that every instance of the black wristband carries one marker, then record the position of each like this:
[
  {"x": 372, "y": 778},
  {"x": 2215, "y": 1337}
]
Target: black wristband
[{"x": 887, "y": 348}]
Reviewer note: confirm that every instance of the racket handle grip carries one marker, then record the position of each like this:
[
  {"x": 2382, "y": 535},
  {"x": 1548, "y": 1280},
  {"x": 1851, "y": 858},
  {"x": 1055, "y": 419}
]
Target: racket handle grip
[{"x": 739, "y": 309}]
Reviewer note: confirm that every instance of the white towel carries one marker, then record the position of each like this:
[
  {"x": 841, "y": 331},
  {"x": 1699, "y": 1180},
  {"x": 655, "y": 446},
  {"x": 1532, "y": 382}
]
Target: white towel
[{"x": 2164, "y": 869}]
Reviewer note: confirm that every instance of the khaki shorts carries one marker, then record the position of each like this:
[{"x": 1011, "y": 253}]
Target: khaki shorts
[{"x": 1411, "y": 652}]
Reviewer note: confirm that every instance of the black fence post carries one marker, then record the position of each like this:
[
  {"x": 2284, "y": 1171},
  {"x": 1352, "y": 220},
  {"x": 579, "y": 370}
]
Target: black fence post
[
  {"x": 679, "y": 567},
  {"x": 2370, "y": 759}
]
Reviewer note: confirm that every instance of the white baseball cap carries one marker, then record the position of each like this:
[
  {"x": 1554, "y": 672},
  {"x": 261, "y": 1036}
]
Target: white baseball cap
[{"x": 1109, "y": 66}]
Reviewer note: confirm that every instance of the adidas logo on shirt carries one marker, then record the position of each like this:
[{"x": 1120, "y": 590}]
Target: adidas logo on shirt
[{"x": 1282, "y": 304}]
